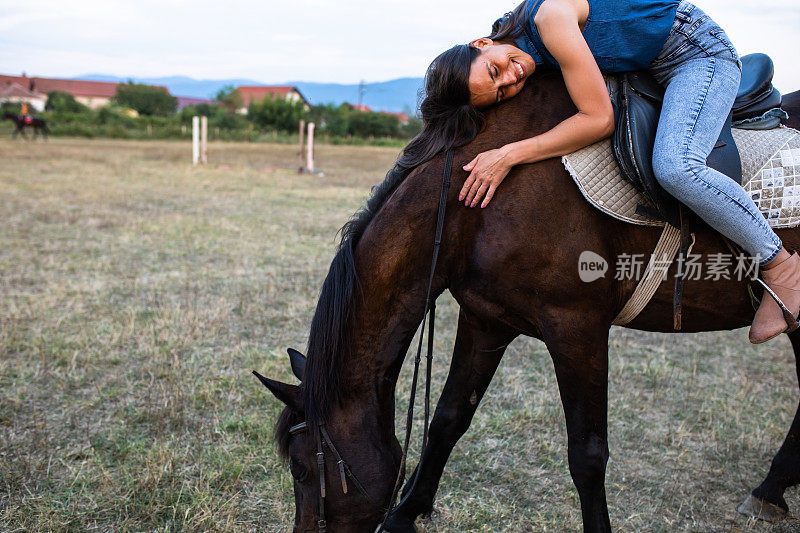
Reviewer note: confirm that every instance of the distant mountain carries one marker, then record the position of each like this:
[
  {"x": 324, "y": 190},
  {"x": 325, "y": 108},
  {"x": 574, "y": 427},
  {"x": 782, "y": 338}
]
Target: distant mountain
[
  {"x": 178, "y": 85},
  {"x": 399, "y": 95}
]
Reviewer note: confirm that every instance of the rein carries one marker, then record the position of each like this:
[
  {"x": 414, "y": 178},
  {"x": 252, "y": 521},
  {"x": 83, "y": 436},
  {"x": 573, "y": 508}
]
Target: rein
[
  {"x": 429, "y": 306},
  {"x": 322, "y": 436}
]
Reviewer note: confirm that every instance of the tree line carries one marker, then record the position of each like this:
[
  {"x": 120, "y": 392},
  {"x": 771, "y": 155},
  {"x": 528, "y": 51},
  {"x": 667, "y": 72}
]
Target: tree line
[{"x": 140, "y": 111}]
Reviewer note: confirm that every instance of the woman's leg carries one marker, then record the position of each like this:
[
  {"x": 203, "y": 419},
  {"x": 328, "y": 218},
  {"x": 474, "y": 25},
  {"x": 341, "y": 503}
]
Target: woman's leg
[{"x": 699, "y": 96}]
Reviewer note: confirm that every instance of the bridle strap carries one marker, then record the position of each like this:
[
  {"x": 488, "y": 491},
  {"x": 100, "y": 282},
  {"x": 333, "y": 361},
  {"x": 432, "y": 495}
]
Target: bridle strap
[
  {"x": 344, "y": 469},
  {"x": 429, "y": 306},
  {"x": 325, "y": 439},
  {"x": 322, "y": 524}
]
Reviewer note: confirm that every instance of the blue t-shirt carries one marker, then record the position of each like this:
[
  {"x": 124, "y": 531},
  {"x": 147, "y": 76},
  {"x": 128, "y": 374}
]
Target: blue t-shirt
[{"x": 622, "y": 34}]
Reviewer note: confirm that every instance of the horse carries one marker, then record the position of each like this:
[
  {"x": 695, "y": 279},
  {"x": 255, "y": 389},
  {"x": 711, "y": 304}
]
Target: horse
[
  {"x": 38, "y": 125},
  {"x": 513, "y": 270},
  {"x": 791, "y": 104}
]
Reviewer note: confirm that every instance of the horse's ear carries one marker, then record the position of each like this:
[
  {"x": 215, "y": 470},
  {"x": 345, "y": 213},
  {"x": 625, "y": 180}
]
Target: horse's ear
[
  {"x": 288, "y": 394},
  {"x": 298, "y": 361}
]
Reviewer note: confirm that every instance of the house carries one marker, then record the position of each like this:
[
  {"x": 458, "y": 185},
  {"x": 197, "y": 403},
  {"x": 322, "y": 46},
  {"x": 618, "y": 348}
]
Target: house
[
  {"x": 15, "y": 93},
  {"x": 402, "y": 118},
  {"x": 93, "y": 94},
  {"x": 186, "y": 101},
  {"x": 256, "y": 93}
]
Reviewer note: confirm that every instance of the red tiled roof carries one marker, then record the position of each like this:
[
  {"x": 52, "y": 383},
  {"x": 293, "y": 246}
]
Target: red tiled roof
[
  {"x": 21, "y": 80},
  {"x": 256, "y": 93},
  {"x": 97, "y": 89},
  {"x": 17, "y": 90},
  {"x": 185, "y": 101},
  {"x": 402, "y": 117}
]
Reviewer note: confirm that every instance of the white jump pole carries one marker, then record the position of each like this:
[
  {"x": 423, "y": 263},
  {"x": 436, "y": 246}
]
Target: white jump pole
[
  {"x": 195, "y": 140},
  {"x": 203, "y": 140},
  {"x": 302, "y": 143},
  {"x": 310, "y": 148}
]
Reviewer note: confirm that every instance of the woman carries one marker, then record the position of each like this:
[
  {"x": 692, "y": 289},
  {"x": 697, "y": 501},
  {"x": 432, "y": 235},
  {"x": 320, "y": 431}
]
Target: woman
[{"x": 689, "y": 54}]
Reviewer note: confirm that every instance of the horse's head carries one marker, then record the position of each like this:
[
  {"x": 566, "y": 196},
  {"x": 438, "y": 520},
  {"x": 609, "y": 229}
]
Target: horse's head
[{"x": 359, "y": 461}]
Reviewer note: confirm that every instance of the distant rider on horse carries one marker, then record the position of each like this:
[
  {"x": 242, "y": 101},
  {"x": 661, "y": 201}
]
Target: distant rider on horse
[{"x": 24, "y": 116}]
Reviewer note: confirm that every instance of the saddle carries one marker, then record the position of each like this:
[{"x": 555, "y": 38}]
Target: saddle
[
  {"x": 757, "y": 100},
  {"x": 27, "y": 120},
  {"x": 637, "y": 98}
]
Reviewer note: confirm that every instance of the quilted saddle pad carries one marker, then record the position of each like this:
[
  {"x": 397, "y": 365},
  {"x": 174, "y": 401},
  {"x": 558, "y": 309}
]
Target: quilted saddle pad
[{"x": 770, "y": 174}]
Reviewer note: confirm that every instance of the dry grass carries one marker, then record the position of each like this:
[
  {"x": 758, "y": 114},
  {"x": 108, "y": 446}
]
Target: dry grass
[{"x": 136, "y": 293}]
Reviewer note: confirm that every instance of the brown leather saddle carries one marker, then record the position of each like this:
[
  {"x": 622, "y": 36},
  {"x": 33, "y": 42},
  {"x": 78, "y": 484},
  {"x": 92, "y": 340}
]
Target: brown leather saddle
[{"x": 637, "y": 98}]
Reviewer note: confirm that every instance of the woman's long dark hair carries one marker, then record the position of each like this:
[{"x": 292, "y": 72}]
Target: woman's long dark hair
[
  {"x": 510, "y": 25},
  {"x": 449, "y": 119}
]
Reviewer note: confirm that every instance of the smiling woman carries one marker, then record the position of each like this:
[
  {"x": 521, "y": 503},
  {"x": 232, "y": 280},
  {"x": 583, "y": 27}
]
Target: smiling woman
[
  {"x": 681, "y": 47},
  {"x": 582, "y": 39},
  {"x": 507, "y": 67}
]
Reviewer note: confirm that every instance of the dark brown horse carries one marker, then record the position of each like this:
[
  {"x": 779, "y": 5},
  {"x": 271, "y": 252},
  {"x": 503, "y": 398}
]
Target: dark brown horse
[
  {"x": 513, "y": 269},
  {"x": 38, "y": 125},
  {"x": 791, "y": 104}
]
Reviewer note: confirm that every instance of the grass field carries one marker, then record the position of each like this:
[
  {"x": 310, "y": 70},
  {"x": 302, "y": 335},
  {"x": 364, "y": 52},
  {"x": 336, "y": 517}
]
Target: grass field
[{"x": 137, "y": 293}]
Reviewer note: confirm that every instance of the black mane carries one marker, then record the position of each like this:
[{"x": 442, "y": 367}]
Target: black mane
[{"x": 329, "y": 341}]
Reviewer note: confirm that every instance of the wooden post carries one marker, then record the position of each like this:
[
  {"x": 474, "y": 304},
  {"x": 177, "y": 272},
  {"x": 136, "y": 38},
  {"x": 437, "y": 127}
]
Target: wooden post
[
  {"x": 195, "y": 140},
  {"x": 302, "y": 144},
  {"x": 310, "y": 149},
  {"x": 203, "y": 140}
]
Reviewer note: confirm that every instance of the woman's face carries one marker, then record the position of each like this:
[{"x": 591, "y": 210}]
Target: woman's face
[{"x": 498, "y": 73}]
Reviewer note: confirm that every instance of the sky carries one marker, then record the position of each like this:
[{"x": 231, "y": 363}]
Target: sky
[{"x": 339, "y": 41}]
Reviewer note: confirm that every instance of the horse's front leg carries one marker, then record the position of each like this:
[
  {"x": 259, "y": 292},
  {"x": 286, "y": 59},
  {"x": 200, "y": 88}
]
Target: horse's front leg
[
  {"x": 478, "y": 350},
  {"x": 766, "y": 502},
  {"x": 579, "y": 348}
]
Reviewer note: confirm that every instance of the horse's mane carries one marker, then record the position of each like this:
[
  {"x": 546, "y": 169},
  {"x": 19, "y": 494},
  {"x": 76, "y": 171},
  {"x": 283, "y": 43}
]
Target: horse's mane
[{"x": 329, "y": 341}]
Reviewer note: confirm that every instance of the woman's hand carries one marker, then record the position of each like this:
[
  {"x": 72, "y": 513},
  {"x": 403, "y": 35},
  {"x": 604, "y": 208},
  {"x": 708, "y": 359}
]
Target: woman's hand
[{"x": 487, "y": 171}]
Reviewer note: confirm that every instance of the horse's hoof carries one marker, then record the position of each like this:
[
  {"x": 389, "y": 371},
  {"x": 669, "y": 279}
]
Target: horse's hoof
[
  {"x": 397, "y": 525},
  {"x": 762, "y": 510}
]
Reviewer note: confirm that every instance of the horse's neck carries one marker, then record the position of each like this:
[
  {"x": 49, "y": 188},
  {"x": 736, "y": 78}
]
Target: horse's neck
[
  {"x": 393, "y": 261},
  {"x": 393, "y": 256}
]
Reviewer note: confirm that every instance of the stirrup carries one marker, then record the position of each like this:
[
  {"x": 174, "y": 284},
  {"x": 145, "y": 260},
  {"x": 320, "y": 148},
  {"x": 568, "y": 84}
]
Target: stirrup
[{"x": 792, "y": 322}]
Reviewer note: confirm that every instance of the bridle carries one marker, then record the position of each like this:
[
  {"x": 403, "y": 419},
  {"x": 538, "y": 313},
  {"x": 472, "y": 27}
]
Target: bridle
[
  {"x": 323, "y": 438},
  {"x": 321, "y": 434}
]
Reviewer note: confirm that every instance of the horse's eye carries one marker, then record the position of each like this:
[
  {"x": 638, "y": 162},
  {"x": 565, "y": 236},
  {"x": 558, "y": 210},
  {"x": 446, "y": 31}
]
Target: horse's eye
[{"x": 299, "y": 472}]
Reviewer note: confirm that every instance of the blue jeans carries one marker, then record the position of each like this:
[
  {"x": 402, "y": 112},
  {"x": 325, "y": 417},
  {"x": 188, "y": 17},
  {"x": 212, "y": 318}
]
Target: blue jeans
[{"x": 700, "y": 69}]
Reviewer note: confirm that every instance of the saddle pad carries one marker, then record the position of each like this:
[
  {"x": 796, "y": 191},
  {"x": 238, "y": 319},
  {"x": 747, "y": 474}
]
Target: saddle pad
[{"x": 770, "y": 174}]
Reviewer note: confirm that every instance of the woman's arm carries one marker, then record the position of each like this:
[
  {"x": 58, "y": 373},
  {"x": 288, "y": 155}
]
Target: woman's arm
[{"x": 557, "y": 22}]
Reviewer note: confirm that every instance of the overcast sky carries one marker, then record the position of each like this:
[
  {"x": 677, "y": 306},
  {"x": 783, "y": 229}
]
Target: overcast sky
[{"x": 306, "y": 40}]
